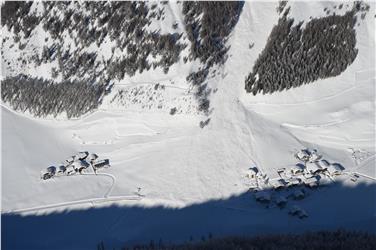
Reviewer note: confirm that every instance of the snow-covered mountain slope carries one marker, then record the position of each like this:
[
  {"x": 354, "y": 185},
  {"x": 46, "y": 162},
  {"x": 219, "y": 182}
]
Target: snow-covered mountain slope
[{"x": 158, "y": 159}]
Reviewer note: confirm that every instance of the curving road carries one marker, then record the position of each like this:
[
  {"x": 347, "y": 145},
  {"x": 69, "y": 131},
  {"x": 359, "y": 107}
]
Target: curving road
[{"x": 105, "y": 198}]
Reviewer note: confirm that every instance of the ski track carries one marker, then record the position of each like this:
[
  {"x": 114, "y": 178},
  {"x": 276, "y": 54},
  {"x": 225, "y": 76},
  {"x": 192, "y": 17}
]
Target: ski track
[{"x": 305, "y": 102}]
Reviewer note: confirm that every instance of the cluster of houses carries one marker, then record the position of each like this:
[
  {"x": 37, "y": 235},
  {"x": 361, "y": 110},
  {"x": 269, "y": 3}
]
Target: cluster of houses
[
  {"x": 310, "y": 172},
  {"x": 78, "y": 163}
]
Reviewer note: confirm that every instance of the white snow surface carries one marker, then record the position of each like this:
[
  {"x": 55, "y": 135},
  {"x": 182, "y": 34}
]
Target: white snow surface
[{"x": 179, "y": 165}]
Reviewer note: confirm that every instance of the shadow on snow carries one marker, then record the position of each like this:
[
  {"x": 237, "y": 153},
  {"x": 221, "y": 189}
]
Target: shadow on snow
[{"x": 331, "y": 207}]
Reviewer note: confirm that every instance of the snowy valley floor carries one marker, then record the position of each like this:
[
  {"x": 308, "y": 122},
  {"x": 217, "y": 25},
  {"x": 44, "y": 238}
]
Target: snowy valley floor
[{"x": 172, "y": 180}]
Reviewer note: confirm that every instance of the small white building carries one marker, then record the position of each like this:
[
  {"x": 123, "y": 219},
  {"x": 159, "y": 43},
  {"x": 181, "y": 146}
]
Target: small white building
[
  {"x": 334, "y": 169},
  {"x": 297, "y": 169}
]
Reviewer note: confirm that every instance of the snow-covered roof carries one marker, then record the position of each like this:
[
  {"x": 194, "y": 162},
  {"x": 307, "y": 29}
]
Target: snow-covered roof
[
  {"x": 61, "y": 168},
  {"x": 51, "y": 169},
  {"x": 312, "y": 182},
  {"x": 323, "y": 164},
  {"x": 102, "y": 163},
  {"x": 70, "y": 159},
  {"x": 302, "y": 154},
  {"x": 93, "y": 156},
  {"x": 298, "y": 167},
  {"x": 313, "y": 167},
  {"x": 334, "y": 168},
  {"x": 294, "y": 181},
  {"x": 278, "y": 183},
  {"x": 314, "y": 156},
  {"x": 79, "y": 164},
  {"x": 82, "y": 155},
  {"x": 253, "y": 170}
]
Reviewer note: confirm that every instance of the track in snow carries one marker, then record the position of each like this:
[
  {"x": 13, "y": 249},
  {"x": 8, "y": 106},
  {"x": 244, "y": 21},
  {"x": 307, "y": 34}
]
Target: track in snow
[{"x": 69, "y": 203}]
